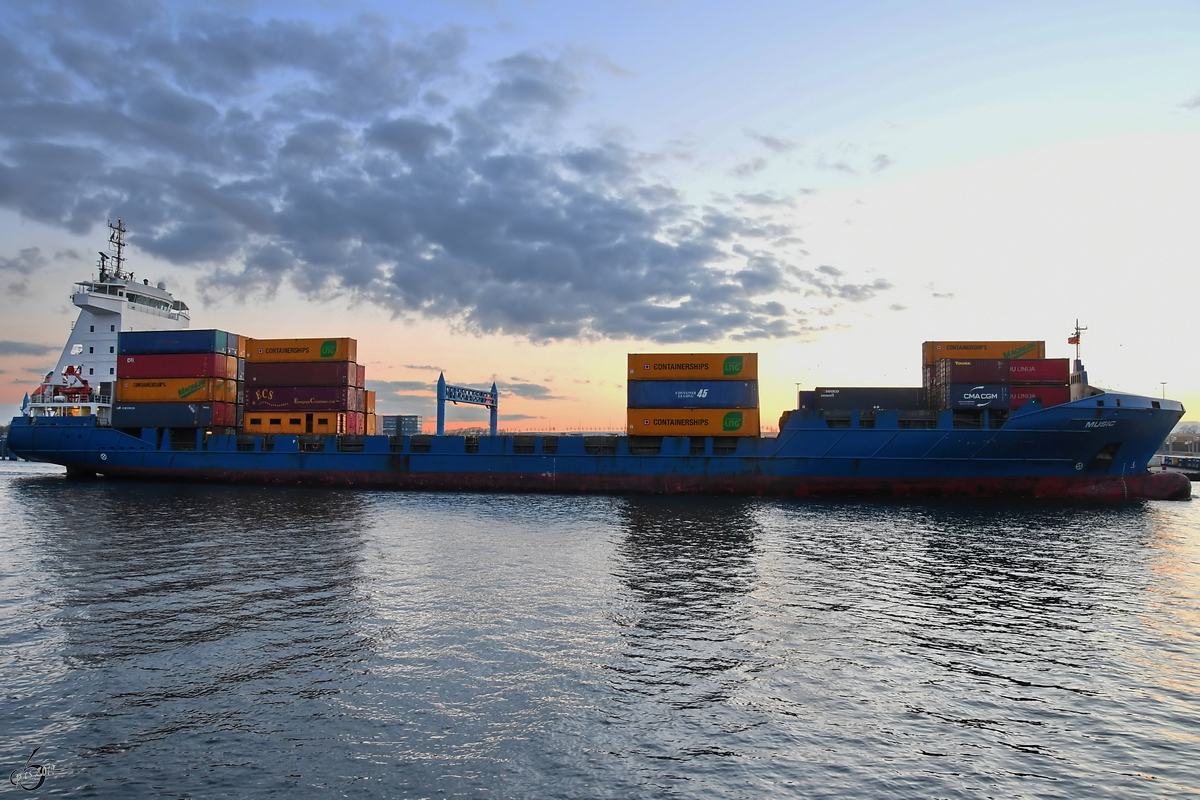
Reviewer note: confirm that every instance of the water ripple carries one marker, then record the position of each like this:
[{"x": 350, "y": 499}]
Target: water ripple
[{"x": 177, "y": 640}]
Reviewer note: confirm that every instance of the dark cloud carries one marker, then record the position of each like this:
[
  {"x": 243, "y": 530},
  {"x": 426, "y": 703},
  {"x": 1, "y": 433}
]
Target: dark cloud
[
  {"x": 772, "y": 143},
  {"x": 24, "y": 262},
  {"x": 748, "y": 168},
  {"x": 1192, "y": 103},
  {"x": 837, "y": 166},
  {"x": 881, "y": 162},
  {"x": 826, "y": 282},
  {"x": 348, "y": 159},
  {"x": 27, "y": 349},
  {"x": 764, "y": 199},
  {"x": 530, "y": 391},
  {"x": 423, "y": 366}
]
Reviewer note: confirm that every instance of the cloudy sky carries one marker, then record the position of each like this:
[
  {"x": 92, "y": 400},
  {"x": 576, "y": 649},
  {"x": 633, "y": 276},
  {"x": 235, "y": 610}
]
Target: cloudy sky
[{"x": 525, "y": 192}]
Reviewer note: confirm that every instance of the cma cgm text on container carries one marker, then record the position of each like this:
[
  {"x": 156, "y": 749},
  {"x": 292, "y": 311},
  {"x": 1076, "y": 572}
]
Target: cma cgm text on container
[{"x": 693, "y": 366}]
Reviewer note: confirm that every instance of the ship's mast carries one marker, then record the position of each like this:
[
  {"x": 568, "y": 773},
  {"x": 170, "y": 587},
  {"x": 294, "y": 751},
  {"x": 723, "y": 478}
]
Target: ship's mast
[
  {"x": 1075, "y": 338},
  {"x": 115, "y": 255},
  {"x": 1079, "y": 378}
]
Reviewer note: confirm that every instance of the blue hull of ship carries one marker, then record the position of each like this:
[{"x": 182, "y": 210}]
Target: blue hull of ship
[{"x": 1081, "y": 449}]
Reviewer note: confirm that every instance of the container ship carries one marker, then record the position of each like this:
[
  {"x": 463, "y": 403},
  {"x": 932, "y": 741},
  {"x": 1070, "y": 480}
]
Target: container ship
[{"x": 138, "y": 394}]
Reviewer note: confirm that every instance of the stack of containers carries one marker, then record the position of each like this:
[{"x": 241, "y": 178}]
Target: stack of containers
[
  {"x": 1000, "y": 383},
  {"x": 693, "y": 394},
  {"x": 304, "y": 386},
  {"x": 971, "y": 383},
  {"x": 934, "y": 352},
  {"x": 1047, "y": 379},
  {"x": 178, "y": 379}
]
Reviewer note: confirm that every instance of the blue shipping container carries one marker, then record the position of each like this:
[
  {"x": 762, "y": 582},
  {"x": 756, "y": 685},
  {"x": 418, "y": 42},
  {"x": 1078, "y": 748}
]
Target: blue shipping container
[
  {"x": 173, "y": 415},
  {"x": 963, "y": 396},
  {"x": 165, "y": 342},
  {"x": 693, "y": 394}
]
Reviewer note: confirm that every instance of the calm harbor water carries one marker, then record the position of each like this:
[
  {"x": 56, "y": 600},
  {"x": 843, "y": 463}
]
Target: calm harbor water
[{"x": 183, "y": 640}]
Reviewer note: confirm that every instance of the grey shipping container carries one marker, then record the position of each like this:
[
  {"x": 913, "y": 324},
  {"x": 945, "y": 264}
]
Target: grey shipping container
[
  {"x": 173, "y": 415},
  {"x": 849, "y": 398}
]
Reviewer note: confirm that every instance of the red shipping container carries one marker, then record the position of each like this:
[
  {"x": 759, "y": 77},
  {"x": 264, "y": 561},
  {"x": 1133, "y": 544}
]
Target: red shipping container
[
  {"x": 356, "y": 423},
  {"x": 177, "y": 365},
  {"x": 224, "y": 415},
  {"x": 972, "y": 370},
  {"x": 360, "y": 375},
  {"x": 1050, "y": 395},
  {"x": 360, "y": 400},
  {"x": 300, "y": 373},
  {"x": 299, "y": 398},
  {"x": 1040, "y": 370}
]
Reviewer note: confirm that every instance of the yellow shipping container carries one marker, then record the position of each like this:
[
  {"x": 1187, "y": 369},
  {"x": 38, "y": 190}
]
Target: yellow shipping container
[
  {"x": 935, "y": 351},
  {"x": 277, "y": 350},
  {"x": 693, "y": 422},
  {"x": 294, "y": 422},
  {"x": 372, "y": 425},
  {"x": 369, "y": 402},
  {"x": 693, "y": 367},
  {"x": 172, "y": 390}
]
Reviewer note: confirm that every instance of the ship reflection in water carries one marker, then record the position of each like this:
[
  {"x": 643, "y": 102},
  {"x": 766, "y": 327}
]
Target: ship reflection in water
[{"x": 208, "y": 639}]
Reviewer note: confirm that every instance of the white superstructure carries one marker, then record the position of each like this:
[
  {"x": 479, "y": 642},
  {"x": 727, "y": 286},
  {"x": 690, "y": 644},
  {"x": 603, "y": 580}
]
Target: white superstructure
[{"x": 82, "y": 382}]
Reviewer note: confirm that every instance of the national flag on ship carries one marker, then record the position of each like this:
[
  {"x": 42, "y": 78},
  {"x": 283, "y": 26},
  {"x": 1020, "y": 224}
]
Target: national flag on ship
[
  {"x": 1073, "y": 339},
  {"x": 25, "y": 403}
]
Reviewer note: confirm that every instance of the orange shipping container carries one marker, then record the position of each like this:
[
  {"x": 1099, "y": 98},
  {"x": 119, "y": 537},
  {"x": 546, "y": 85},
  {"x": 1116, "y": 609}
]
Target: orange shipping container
[
  {"x": 279, "y": 350},
  {"x": 173, "y": 390},
  {"x": 370, "y": 402},
  {"x": 933, "y": 351},
  {"x": 693, "y": 422},
  {"x": 693, "y": 366},
  {"x": 294, "y": 422},
  {"x": 372, "y": 425}
]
